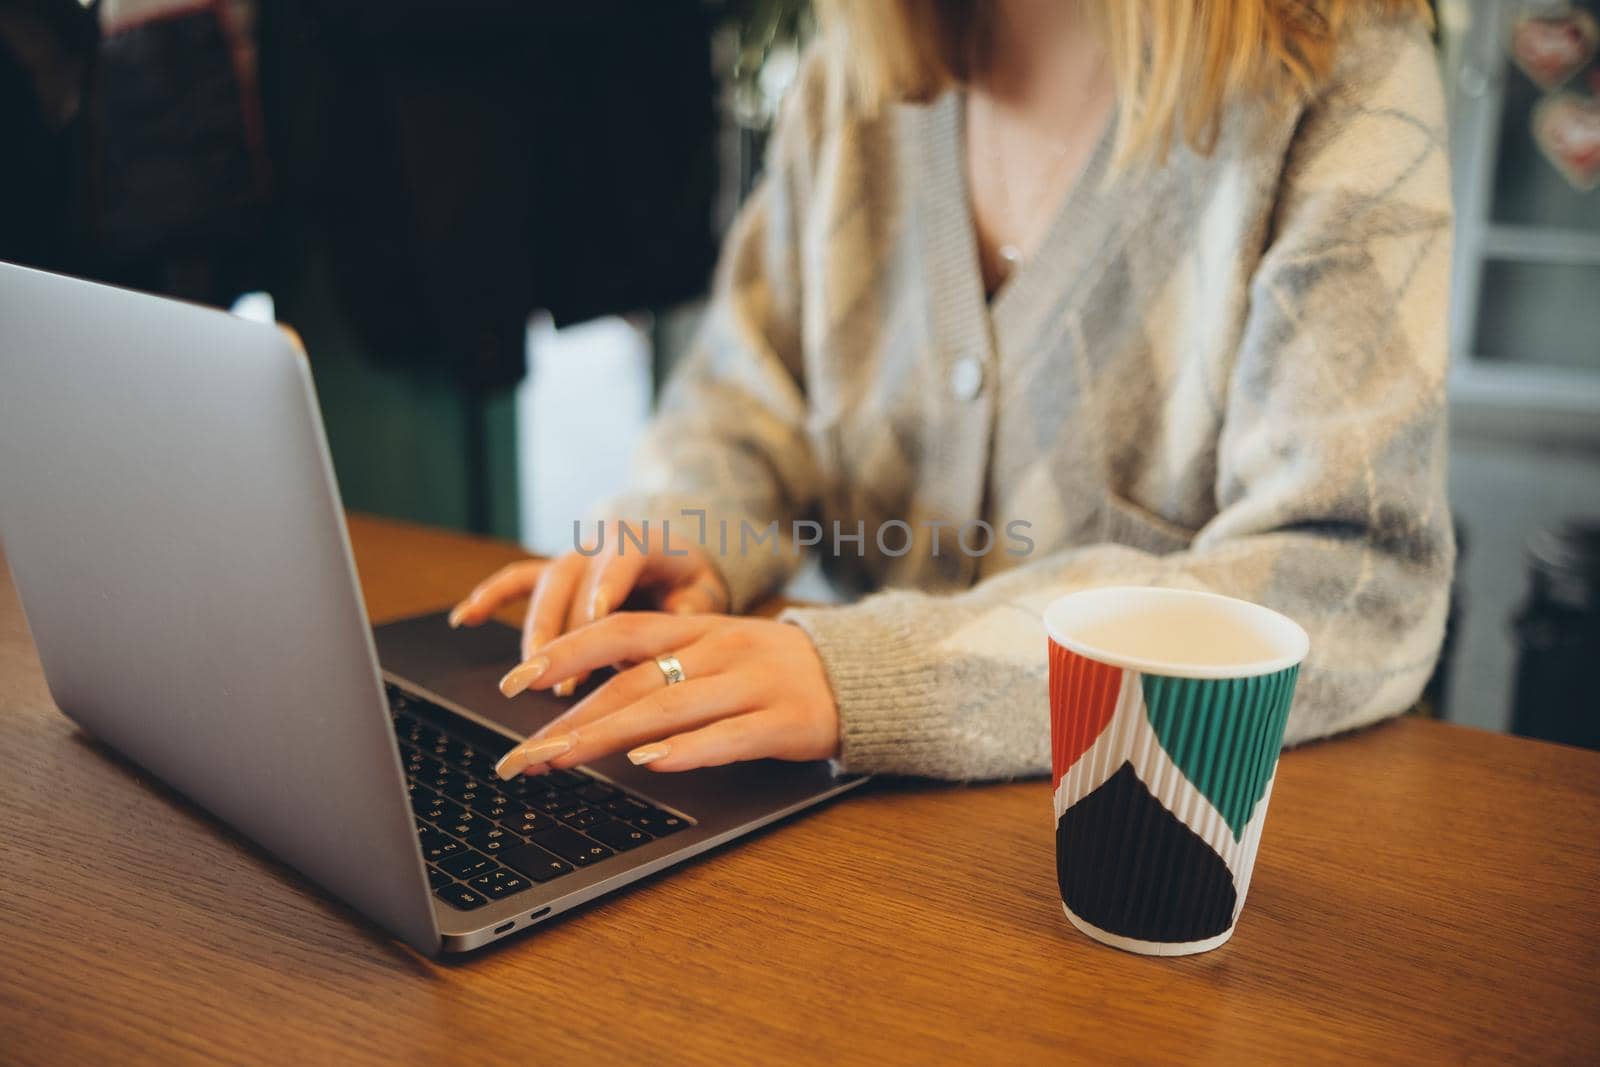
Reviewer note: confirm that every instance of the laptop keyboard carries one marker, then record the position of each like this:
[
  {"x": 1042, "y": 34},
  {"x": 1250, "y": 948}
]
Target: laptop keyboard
[{"x": 484, "y": 839}]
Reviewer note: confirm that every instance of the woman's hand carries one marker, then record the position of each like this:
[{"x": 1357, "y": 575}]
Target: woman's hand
[
  {"x": 574, "y": 590},
  {"x": 751, "y": 689}
]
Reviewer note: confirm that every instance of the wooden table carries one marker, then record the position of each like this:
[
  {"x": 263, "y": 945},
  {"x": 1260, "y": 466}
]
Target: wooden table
[{"x": 1424, "y": 893}]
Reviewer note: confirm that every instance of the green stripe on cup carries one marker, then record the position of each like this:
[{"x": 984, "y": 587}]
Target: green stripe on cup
[{"x": 1224, "y": 734}]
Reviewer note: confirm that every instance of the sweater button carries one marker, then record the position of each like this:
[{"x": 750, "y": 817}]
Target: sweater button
[{"x": 966, "y": 378}]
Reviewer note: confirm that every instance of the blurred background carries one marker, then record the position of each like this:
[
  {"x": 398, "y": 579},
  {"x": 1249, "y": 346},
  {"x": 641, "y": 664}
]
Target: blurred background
[{"x": 493, "y": 222}]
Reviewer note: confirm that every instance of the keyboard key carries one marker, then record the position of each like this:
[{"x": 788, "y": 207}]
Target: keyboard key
[
  {"x": 436, "y": 846},
  {"x": 476, "y": 795},
  {"x": 464, "y": 754},
  {"x": 568, "y": 810},
  {"x": 525, "y": 821},
  {"x": 458, "y": 786},
  {"x": 500, "y": 883},
  {"x": 499, "y": 811},
  {"x": 467, "y": 824},
  {"x": 441, "y": 811},
  {"x": 481, "y": 768},
  {"x": 445, "y": 781},
  {"x": 557, "y": 778},
  {"x": 571, "y": 846},
  {"x": 467, "y": 864},
  {"x": 619, "y": 836},
  {"x": 534, "y": 862},
  {"x": 424, "y": 769},
  {"x": 423, "y": 800},
  {"x": 437, "y": 879},
  {"x": 659, "y": 823},
  {"x": 480, "y": 763},
  {"x": 625, "y": 807},
  {"x": 460, "y": 896},
  {"x": 521, "y": 786},
  {"x": 596, "y": 792},
  {"x": 495, "y": 840},
  {"x": 549, "y": 800},
  {"x": 584, "y": 818},
  {"x": 485, "y": 799}
]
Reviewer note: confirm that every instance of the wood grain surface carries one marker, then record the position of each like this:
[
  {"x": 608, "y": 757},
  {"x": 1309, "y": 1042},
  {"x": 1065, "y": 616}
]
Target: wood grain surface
[{"x": 1424, "y": 893}]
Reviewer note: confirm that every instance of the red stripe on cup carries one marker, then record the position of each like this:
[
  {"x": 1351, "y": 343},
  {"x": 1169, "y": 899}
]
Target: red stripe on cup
[{"x": 1083, "y": 697}]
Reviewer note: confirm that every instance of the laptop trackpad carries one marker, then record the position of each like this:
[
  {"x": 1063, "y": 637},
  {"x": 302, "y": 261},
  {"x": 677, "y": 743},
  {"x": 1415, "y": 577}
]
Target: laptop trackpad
[{"x": 465, "y": 667}]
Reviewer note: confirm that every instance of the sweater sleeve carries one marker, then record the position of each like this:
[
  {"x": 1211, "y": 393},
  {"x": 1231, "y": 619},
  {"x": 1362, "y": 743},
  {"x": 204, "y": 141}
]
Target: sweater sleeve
[
  {"x": 1330, "y": 486},
  {"x": 726, "y": 455}
]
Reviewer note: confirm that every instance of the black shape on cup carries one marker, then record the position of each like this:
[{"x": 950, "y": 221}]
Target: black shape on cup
[{"x": 1128, "y": 866}]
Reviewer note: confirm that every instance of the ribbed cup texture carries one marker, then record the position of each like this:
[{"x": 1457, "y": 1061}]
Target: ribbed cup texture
[
  {"x": 1083, "y": 696},
  {"x": 1130, "y": 868},
  {"x": 1161, "y": 787},
  {"x": 1224, "y": 734}
]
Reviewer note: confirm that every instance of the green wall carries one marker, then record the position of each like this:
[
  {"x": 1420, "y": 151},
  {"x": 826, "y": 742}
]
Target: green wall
[{"x": 403, "y": 445}]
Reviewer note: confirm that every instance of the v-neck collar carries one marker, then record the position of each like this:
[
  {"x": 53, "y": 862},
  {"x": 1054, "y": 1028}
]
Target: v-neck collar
[{"x": 1078, "y": 235}]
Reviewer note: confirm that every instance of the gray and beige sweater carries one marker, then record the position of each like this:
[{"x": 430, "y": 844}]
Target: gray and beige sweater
[{"x": 1221, "y": 373}]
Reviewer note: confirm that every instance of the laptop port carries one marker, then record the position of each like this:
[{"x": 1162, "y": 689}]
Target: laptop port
[
  {"x": 536, "y": 916},
  {"x": 502, "y": 928}
]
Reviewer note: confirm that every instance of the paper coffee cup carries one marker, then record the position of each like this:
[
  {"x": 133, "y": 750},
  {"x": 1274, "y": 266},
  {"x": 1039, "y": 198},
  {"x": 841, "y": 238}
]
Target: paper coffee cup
[{"x": 1167, "y": 710}]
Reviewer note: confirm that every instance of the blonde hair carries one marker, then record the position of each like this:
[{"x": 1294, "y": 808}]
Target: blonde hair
[{"x": 1177, "y": 63}]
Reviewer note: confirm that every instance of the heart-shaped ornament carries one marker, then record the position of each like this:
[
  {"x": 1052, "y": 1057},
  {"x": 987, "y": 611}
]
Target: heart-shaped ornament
[
  {"x": 1567, "y": 129},
  {"x": 1550, "y": 48}
]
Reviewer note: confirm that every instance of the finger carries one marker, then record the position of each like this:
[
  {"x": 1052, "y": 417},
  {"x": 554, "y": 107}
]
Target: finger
[
  {"x": 613, "y": 579},
  {"x": 616, "y": 639},
  {"x": 698, "y": 660},
  {"x": 577, "y": 616},
  {"x": 551, "y": 599},
  {"x": 753, "y": 735},
  {"x": 659, "y": 714},
  {"x": 697, "y": 599},
  {"x": 536, "y": 629},
  {"x": 533, "y": 638},
  {"x": 508, "y": 583}
]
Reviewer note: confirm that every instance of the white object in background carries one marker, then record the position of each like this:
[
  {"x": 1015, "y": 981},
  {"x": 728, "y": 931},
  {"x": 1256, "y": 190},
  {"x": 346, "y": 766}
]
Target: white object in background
[
  {"x": 257, "y": 307},
  {"x": 580, "y": 412}
]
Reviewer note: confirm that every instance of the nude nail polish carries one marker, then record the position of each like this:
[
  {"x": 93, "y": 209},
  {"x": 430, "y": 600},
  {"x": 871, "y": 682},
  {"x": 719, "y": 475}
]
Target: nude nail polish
[
  {"x": 599, "y": 606},
  {"x": 647, "y": 754},
  {"x": 566, "y": 688},
  {"x": 457, "y": 613},
  {"x": 529, "y": 754},
  {"x": 523, "y": 675},
  {"x": 511, "y": 764}
]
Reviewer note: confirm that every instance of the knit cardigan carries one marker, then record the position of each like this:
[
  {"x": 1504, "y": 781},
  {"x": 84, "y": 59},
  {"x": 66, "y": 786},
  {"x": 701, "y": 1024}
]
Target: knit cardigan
[{"x": 1222, "y": 372}]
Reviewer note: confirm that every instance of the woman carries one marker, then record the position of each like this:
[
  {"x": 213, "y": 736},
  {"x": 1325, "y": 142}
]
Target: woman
[{"x": 1155, "y": 291}]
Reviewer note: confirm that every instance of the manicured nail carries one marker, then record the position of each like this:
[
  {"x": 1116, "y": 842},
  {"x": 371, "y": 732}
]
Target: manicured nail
[
  {"x": 599, "y": 605},
  {"x": 530, "y": 754},
  {"x": 523, "y": 675},
  {"x": 648, "y": 754},
  {"x": 566, "y": 688},
  {"x": 458, "y": 613}
]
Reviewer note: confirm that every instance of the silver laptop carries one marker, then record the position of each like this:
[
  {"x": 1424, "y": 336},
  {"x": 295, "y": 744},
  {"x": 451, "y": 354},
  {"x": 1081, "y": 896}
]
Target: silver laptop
[{"x": 173, "y": 526}]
